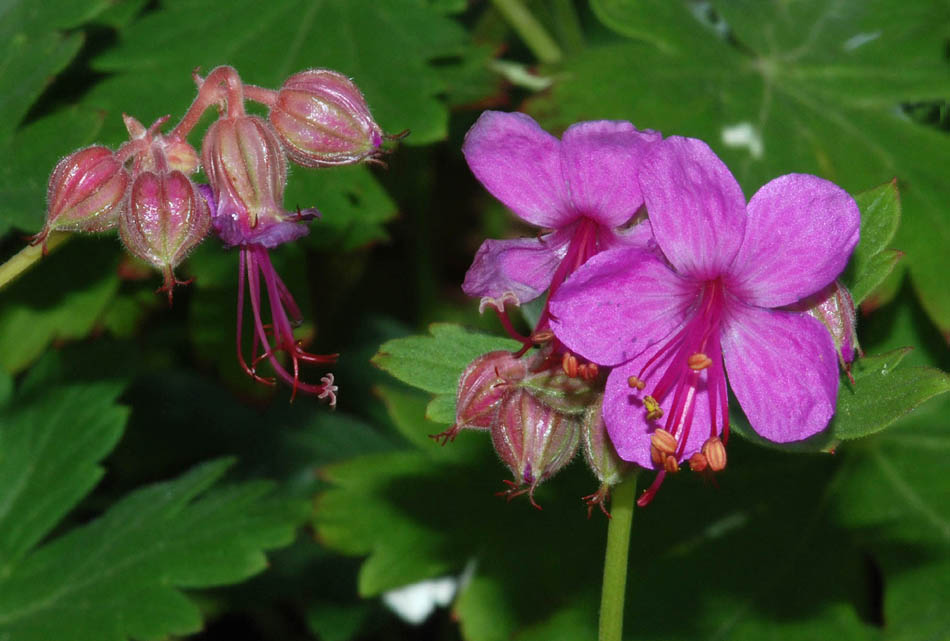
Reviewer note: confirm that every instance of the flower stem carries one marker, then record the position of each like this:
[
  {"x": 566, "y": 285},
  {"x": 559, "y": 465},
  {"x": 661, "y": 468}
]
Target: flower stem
[
  {"x": 615, "y": 560},
  {"x": 22, "y": 260},
  {"x": 530, "y": 30}
]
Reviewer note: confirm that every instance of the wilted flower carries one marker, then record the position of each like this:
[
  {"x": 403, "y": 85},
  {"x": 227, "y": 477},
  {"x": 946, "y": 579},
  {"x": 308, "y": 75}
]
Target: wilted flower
[
  {"x": 601, "y": 456},
  {"x": 666, "y": 323},
  {"x": 247, "y": 172},
  {"x": 581, "y": 188}
]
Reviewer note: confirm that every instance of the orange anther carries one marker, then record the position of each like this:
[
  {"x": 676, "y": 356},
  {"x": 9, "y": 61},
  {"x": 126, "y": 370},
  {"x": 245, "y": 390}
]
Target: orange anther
[
  {"x": 582, "y": 371},
  {"x": 699, "y": 361},
  {"x": 592, "y": 371},
  {"x": 698, "y": 462},
  {"x": 663, "y": 441},
  {"x": 569, "y": 365},
  {"x": 654, "y": 411},
  {"x": 636, "y": 383},
  {"x": 715, "y": 453},
  {"x": 542, "y": 337},
  {"x": 670, "y": 465}
]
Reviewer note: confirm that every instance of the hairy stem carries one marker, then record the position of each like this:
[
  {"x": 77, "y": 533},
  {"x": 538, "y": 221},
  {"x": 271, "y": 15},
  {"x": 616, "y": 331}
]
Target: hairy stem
[
  {"x": 532, "y": 32},
  {"x": 24, "y": 259},
  {"x": 615, "y": 560}
]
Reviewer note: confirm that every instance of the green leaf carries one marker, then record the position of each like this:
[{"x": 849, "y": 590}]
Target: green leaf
[
  {"x": 121, "y": 576},
  {"x": 884, "y": 394},
  {"x": 37, "y": 148},
  {"x": 60, "y": 298},
  {"x": 810, "y": 87},
  {"x": 895, "y": 493},
  {"x": 49, "y": 460},
  {"x": 434, "y": 363},
  {"x": 872, "y": 262}
]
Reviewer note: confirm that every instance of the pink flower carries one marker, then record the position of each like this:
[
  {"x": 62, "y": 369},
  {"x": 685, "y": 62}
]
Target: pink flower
[
  {"x": 673, "y": 321},
  {"x": 581, "y": 188}
]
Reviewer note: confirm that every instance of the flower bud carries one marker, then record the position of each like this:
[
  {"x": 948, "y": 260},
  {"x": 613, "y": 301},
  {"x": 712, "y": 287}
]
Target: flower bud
[
  {"x": 86, "y": 192},
  {"x": 533, "y": 440},
  {"x": 834, "y": 307},
  {"x": 554, "y": 387},
  {"x": 322, "y": 119},
  {"x": 600, "y": 455},
  {"x": 483, "y": 384},
  {"x": 247, "y": 172},
  {"x": 165, "y": 219}
]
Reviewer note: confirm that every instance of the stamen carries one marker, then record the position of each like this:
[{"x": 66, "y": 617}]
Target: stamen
[
  {"x": 670, "y": 465},
  {"x": 539, "y": 338},
  {"x": 654, "y": 411},
  {"x": 698, "y": 462},
  {"x": 636, "y": 383},
  {"x": 569, "y": 364},
  {"x": 592, "y": 372},
  {"x": 715, "y": 453},
  {"x": 699, "y": 361},
  {"x": 663, "y": 441}
]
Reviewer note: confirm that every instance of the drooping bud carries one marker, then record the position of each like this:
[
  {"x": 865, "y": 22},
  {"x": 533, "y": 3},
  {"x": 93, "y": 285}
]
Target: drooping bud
[
  {"x": 533, "y": 440},
  {"x": 86, "y": 192},
  {"x": 834, "y": 307},
  {"x": 481, "y": 388},
  {"x": 601, "y": 456},
  {"x": 247, "y": 172},
  {"x": 164, "y": 220},
  {"x": 323, "y": 120}
]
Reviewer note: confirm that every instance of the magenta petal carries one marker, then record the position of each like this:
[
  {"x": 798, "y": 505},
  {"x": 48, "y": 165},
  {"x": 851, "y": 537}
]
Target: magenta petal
[
  {"x": 520, "y": 164},
  {"x": 523, "y": 267},
  {"x": 599, "y": 161},
  {"x": 618, "y": 303},
  {"x": 800, "y": 232},
  {"x": 625, "y": 415},
  {"x": 695, "y": 204},
  {"x": 783, "y": 369}
]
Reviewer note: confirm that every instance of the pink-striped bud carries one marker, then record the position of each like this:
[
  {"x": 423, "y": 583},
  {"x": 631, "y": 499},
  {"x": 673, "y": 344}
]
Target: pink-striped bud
[
  {"x": 601, "y": 456},
  {"x": 86, "y": 192},
  {"x": 482, "y": 386},
  {"x": 165, "y": 219},
  {"x": 834, "y": 307},
  {"x": 534, "y": 440},
  {"x": 323, "y": 120}
]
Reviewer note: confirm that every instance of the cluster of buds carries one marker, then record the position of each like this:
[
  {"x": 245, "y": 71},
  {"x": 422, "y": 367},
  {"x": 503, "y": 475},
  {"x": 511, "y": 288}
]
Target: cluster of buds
[
  {"x": 538, "y": 417},
  {"x": 146, "y": 190}
]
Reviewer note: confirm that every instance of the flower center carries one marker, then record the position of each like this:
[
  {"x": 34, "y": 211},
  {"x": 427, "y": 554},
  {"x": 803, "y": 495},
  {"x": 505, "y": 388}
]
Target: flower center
[{"x": 689, "y": 363}]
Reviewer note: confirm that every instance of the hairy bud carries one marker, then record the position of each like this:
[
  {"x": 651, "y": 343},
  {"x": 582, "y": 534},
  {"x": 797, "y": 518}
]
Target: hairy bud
[
  {"x": 165, "y": 219},
  {"x": 534, "y": 440},
  {"x": 86, "y": 192},
  {"x": 323, "y": 120}
]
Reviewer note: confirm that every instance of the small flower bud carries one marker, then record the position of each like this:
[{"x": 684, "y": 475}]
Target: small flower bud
[
  {"x": 532, "y": 439},
  {"x": 481, "y": 388},
  {"x": 322, "y": 120},
  {"x": 834, "y": 307},
  {"x": 86, "y": 192},
  {"x": 164, "y": 220},
  {"x": 557, "y": 388},
  {"x": 601, "y": 456}
]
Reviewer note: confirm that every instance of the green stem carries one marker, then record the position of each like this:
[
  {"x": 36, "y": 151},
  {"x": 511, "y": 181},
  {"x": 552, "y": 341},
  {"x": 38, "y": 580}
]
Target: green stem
[
  {"x": 25, "y": 258},
  {"x": 530, "y": 30},
  {"x": 615, "y": 560},
  {"x": 569, "y": 27}
]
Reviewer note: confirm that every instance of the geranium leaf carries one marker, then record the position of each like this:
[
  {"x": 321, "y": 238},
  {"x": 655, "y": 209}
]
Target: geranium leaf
[
  {"x": 434, "y": 363},
  {"x": 875, "y": 271},
  {"x": 40, "y": 478},
  {"x": 62, "y": 298},
  {"x": 812, "y": 88},
  {"x": 872, "y": 262},
  {"x": 121, "y": 575}
]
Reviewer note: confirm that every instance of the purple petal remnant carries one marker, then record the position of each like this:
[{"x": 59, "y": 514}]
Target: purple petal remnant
[
  {"x": 581, "y": 188},
  {"x": 673, "y": 323}
]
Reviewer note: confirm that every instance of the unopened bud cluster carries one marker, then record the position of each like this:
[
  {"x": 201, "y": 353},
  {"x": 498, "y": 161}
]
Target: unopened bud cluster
[
  {"x": 145, "y": 189},
  {"x": 538, "y": 416}
]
